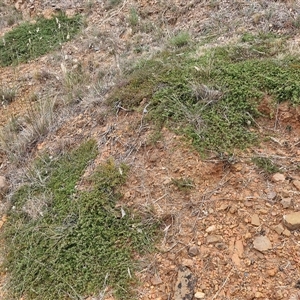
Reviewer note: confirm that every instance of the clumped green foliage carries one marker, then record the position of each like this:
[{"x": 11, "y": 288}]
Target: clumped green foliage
[
  {"x": 180, "y": 39},
  {"x": 212, "y": 97},
  {"x": 31, "y": 40},
  {"x": 78, "y": 242},
  {"x": 265, "y": 164}
]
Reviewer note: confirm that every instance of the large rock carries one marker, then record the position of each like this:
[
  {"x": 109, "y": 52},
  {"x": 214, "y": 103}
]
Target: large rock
[
  {"x": 185, "y": 284},
  {"x": 292, "y": 221},
  {"x": 3, "y": 187}
]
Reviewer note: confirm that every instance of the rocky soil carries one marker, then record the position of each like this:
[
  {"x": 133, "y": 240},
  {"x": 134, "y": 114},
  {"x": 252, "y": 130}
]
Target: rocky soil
[{"x": 235, "y": 233}]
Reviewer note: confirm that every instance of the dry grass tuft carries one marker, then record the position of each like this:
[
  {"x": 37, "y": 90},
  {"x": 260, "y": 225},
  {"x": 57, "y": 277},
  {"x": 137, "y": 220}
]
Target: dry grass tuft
[{"x": 20, "y": 134}]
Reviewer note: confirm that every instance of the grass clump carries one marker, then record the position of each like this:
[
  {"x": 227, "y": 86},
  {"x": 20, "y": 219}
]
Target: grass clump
[
  {"x": 31, "y": 40},
  {"x": 212, "y": 97},
  {"x": 265, "y": 164},
  {"x": 7, "y": 95},
  {"x": 180, "y": 39},
  {"x": 78, "y": 242},
  {"x": 19, "y": 136}
]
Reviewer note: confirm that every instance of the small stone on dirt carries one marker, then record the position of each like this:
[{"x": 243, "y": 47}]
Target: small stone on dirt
[
  {"x": 185, "y": 284},
  {"x": 279, "y": 228},
  {"x": 262, "y": 243},
  {"x": 213, "y": 239},
  {"x": 296, "y": 183},
  {"x": 187, "y": 262},
  {"x": 239, "y": 247},
  {"x": 235, "y": 259},
  {"x": 271, "y": 195},
  {"x": 211, "y": 228},
  {"x": 154, "y": 157},
  {"x": 255, "y": 220},
  {"x": 286, "y": 232},
  {"x": 223, "y": 206},
  {"x": 292, "y": 221},
  {"x": 233, "y": 209},
  {"x": 193, "y": 251},
  {"x": 156, "y": 280},
  {"x": 259, "y": 295},
  {"x": 272, "y": 272},
  {"x": 199, "y": 295},
  {"x": 286, "y": 202},
  {"x": 278, "y": 177}
]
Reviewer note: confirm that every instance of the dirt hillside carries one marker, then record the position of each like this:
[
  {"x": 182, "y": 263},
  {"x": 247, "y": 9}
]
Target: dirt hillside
[{"x": 225, "y": 233}]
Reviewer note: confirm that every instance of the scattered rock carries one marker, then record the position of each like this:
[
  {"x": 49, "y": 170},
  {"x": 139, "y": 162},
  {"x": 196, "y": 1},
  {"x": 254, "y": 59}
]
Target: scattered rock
[
  {"x": 235, "y": 259},
  {"x": 259, "y": 295},
  {"x": 292, "y": 221},
  {"x": 199, "y": 295},
  {"x": 3, "y": 187},
  {"x": 233, "y": 209},
  {"x": 277, "y": 177},
  {"x": 223, "y": 206},
  {"x": 193, "y": 251},
  {"x": 286, "y": 202},
  {"x": 211, "y": 228},
  {"x": 213, "y": 239},
  {"x": 185, "y": 284},
  {"x": 156, "y": 280},
  {"x": 239, "y": 247},
  {"x": 279, "y": 228},
  {"x": 296, "y": 183},
  {"x": 187, "y": 262},
  {"x": 220, "y": 246},
  {"x": 262, "y": 243},
  {"x": 255, "y": 220},
  {"x": 286, "y": 232},
  {"x": 271, "y": 195},
  {"x": 272, "y": 272},
  {"x": 153, "y": 157}
]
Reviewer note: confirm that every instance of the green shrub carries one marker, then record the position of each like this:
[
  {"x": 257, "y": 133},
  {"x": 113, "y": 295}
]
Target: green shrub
[
  {"x": 211, "y": 98},
  {"x": 67, "y": 244},
  {"x": 31, "y": 40},
  {"x": 181, "y": 39}
]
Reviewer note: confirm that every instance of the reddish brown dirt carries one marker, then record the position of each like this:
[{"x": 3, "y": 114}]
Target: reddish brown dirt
[{"x": 227, "y": 191}]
